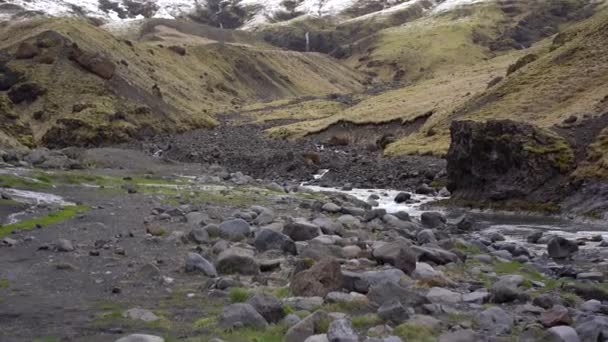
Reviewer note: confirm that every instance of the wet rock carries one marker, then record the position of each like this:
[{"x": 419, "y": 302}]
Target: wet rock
[
  {"x": 323, "y": 277},
  {"x": 241, "y": 315},
  {"x": 433, "y": 219},
  {"x": 394, "y": 312},
  {"x": 199, "y": 235},
  {"x": 63, "y": 245},
  {"x": 561, "y": 334},
  {"x": 234, "y": 230},
  {"x": 140, "y": 315},
  {"x": 398, "y": 254},
  {"x": 301, "y": 230},
  {"x": 268, "y": 306},
  {"x": 341, "y": 330},
  {"x": 560, "y": 248},
  {"x": 237, "y": 260},
  {"x": 268, "y": 239},
  {"x": 534, "y": 237},
  {"x": 465, "y": 223},
  {"x": 402, "y": 197},
  {"x": 495, "y": 320},
  {"x": 558, "y": 315},
  {"x": 195, "y": 262},
  {"x": 307, "y": 327},
  {"x": 141, "y": 338},
  {"x": 425, "y": 189}
]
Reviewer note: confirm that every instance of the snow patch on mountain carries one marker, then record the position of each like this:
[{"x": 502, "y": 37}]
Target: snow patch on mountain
[{"x": 175, "y": 8}]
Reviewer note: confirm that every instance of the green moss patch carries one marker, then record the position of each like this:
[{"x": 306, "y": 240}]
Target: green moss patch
[{"x": 60, "y": 215}]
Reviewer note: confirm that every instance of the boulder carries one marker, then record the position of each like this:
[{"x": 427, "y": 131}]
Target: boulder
[
  {"x": 234, "y": 230},
  {"x": 268, "y": 306},
  {"x": 301, "y": 230},
  {"x": 495, "y": 320},
  {"x": 195, "y": 262},
  {"x": 593, "y": 328},
  {"x": 441, "y": 295},
  {"x": 331, "y": 208},
  {"x": 237, "y": 260},
  {"x": 323, "y": 277},
  {"x": 95, "y": 63},
  {"x": 341, "y": 330},
  {"x": 26, "y": 92},
  {"x": 402, "y": 197},
  {"x": 387, "y": 292},
  {"x": 241, "y": 315},
  {"x": 396, "y": 253},
  {"x": 557, "y": 315},
  {"x": 561, "y": 334},
  {"x": 433, "y": 219},
  {"x": 560, "y": 248},
  {"x": 503, "y": 159},
  {"x": 27, "y": 50},
  {"x": 393, "y": 311},
  {"x": 309, "y": 326},
  {"x": 268, "y": 239},
  {"x": 199, "y": 235}
]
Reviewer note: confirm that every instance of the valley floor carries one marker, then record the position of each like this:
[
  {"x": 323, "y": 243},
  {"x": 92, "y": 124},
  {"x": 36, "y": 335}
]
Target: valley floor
[{"x": 167, "y": 248}]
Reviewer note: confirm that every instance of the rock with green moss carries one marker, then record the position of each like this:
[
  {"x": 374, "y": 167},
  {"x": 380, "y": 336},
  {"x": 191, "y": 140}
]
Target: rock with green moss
[{"x": 502, "y": 160}]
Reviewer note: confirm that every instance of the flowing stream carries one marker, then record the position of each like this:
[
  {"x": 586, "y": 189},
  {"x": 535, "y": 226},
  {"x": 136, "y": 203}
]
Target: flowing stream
[{"x": 514, "y": 227}]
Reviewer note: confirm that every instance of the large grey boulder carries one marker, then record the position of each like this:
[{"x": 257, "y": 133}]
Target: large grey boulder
[
  {"x": 268, "y": 306},
  {"x": 397, "y": 253},
  {"x": 241, "y": 315},
  {"x": 560, "y": 248},
  {"x": 301, "y": 230},
  {"x": 341, "y": 330},
  {"x": 386, "y": 292},
  {"x": 309, "y": 326},
  {"x": 268, "y": 239},
  {"x": 562, "y": 333},
  {"x": 237, "y": 260},
  {"x": 433, "y": 219},
  {"x": 234, "y": 230},
  {"x": 495, "y": 320},
  {"x": 195, "y": 262}
]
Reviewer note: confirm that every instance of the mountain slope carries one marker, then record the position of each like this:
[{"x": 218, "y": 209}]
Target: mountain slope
[{"x": 105, "y": 89}]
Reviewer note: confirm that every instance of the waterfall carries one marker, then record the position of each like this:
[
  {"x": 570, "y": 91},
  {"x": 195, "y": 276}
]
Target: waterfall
[{"x": 307, "y": 41}]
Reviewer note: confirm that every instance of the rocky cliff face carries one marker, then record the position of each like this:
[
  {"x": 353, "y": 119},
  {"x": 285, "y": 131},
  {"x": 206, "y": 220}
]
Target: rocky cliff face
[{"x": 506, "y": 160}]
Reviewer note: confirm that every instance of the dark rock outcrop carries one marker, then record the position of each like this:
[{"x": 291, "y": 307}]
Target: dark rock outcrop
[{"x": 504, "y": 159}]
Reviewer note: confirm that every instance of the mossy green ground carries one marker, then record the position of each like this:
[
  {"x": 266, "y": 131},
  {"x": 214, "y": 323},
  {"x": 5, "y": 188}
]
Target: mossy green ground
[{"x": 57, "y": 216}]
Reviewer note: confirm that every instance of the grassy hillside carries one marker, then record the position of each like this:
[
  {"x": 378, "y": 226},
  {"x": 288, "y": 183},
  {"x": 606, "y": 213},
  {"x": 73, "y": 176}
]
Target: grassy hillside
[
  {"x": 157, "y": 86},
  {"x": 457, "y": 66}
]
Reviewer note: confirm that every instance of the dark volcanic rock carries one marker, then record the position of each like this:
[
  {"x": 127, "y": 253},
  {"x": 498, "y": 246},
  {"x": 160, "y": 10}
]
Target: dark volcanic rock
[
  {"x": 560, "y": 248},
  {"x": 504, "y": 159},
  {"x": 93, "y": 62},
  {"x": 25, "y": 92}
]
